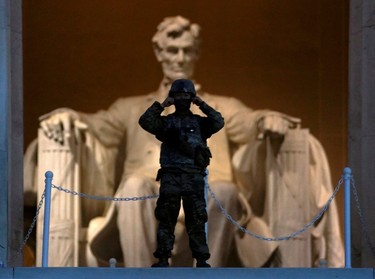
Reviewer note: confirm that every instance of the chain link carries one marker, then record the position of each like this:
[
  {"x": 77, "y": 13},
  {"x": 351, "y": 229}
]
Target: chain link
[
  {"x": 361, "y": 218},
  {"x": 281, "y": 238},
  {"x": 91, "y": 197}
]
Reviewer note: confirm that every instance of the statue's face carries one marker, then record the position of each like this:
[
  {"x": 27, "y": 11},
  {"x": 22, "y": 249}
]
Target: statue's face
[{"x": 178, "y": 56}]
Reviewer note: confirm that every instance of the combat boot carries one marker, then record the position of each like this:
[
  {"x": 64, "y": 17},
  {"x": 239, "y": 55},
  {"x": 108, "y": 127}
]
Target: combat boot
[
  {"x": 163, "y": 262},
  {"x": 202, "y": 263}
]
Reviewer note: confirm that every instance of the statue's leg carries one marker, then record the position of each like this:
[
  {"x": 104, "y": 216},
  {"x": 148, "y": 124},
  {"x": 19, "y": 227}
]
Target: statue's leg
[
  {"x": 136, "y": 221},
  {"x": 220, "y": 230}
]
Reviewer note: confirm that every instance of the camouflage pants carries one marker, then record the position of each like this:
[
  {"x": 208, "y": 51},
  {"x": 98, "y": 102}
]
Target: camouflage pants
[{"x": 189, "y": 187}]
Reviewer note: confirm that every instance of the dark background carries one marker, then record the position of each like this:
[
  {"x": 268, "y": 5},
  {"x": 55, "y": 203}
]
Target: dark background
[{"x": 289, "y": 56}]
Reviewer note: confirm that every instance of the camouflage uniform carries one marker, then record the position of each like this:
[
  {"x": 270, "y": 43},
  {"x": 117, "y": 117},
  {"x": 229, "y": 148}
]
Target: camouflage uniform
[{"x": 184, "y": 157}]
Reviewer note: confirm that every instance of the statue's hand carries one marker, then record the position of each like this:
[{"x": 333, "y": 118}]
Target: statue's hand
[
  {"x": 167, "y": 102},
  {"x": 276, "y": 125},
  {"x": 59, "y": 124}
]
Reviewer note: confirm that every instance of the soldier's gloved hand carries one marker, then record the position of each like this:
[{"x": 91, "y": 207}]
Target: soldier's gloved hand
[
  {"x": 197, "y": 101},
  {"x": 167, "y": 102}
]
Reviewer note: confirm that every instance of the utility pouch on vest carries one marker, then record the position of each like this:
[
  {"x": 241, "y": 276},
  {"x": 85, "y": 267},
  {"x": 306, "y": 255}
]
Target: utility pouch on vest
[{"x": 202, "y": 156}]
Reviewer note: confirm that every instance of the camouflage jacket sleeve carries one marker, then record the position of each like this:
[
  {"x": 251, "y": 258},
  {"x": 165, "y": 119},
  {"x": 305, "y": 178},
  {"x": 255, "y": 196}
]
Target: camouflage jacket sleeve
[
  {"x": 213, "y": 123},
  {"x": 152, "y": 121}
]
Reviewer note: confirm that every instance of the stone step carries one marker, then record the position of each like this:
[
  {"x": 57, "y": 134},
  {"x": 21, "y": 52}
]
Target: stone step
[{"x": 185, "y": 273}]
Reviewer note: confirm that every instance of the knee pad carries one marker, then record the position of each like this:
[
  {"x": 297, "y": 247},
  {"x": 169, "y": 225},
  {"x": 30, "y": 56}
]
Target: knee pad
[
  {"x": 167, "y": 206},
  {"x": 202, "y": 215}
]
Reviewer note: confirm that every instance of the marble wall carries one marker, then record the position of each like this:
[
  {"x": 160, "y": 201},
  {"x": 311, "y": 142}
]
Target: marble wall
[
  {"x": 11, "y": 132},
  {"x": 362, "y": 125}
]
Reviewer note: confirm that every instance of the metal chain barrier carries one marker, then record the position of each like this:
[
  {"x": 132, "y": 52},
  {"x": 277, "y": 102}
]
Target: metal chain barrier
[
  {"x": 281, "y": 238},
  {"x": 91, "y": 197},
  {"x": 362, "y": 219},
  {"x": 230, "y": 218},
  {"x": 40, "y": 204}
]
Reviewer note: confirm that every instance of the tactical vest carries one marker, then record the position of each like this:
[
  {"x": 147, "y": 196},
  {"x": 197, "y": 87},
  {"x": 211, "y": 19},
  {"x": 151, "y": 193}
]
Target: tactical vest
[{"x": 183, "y": 139}]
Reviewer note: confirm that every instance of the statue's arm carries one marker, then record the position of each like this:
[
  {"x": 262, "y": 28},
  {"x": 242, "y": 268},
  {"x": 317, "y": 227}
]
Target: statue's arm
[
  {"x": 249, "y": 129},
  {"x": 106, "y": 125},
  {"x": 244, "y": 125},
  {"x": 61, "y": 124},
  {"x": 109, "y": 126},
  {"x": 240, "y": 120}
]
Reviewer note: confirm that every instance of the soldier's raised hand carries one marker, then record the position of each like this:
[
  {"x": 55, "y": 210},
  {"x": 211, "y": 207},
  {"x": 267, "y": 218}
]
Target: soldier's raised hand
[
  {"x": 167, "y": 102},
  {"x": 197, "y": 101}
]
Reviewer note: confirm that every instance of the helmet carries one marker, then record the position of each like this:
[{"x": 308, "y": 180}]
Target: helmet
[{"x": 182, "y": 85}]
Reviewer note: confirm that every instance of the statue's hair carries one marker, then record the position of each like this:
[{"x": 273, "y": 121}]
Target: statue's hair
[{"x": 174, "y": 27}]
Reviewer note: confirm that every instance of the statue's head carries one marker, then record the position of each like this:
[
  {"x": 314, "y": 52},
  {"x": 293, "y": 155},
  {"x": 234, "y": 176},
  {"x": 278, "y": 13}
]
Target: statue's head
[{"x": 176, "y": 46}]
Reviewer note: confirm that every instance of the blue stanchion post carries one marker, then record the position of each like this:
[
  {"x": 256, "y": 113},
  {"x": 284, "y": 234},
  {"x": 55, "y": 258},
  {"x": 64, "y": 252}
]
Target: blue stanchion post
[
  {"x": 206, "y": 197},
  {"x": 347, "y": 178},
  {"x": 47, "y": 214}
]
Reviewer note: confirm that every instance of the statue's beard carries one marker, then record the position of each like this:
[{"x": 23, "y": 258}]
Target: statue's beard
[{"x": 182, "y": 106}]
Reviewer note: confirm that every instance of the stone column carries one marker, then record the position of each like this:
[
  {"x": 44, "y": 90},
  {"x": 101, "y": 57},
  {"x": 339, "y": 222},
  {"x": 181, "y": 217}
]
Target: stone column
[
  {"x": 362, "y": 124},
  {"x": 11, "y": 132}
]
